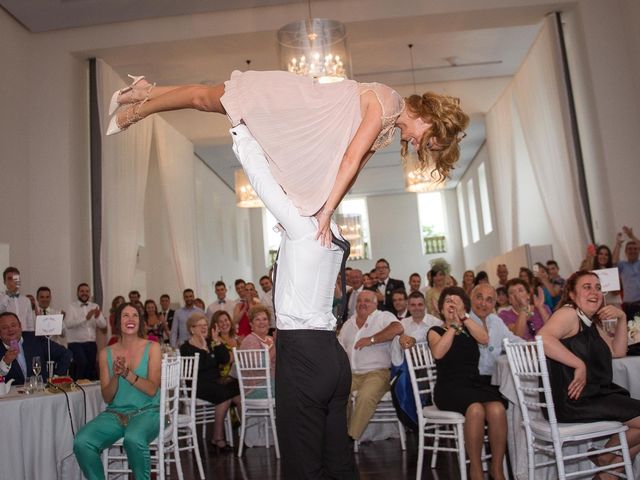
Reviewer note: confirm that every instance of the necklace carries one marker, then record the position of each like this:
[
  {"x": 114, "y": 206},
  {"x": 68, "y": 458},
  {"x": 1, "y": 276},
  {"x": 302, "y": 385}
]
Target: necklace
[{"x": 268, "y": 342}]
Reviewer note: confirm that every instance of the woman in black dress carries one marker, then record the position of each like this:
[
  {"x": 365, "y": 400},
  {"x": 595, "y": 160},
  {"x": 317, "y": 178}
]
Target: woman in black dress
[
  {"x": 459, "y": 386},
  {"x": 579, "y": 354},
  {"x": 210, "y": 387}
]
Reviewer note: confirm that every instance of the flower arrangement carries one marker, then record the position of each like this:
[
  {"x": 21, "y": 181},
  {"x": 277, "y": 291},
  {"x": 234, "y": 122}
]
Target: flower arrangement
[{"x": 633, "y": 327}]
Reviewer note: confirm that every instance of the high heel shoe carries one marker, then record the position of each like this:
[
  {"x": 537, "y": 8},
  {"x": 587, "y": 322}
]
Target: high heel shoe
[
  {"x": 132, "y": 116},
  {"x": 113, "y": 104},
  {"x": 226, "y": 448}
]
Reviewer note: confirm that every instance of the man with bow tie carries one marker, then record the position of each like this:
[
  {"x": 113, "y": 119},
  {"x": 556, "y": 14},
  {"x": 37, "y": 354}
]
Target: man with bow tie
[
  {"x": 17, "y": 350},
  {"x": 80, "y": 322},
  {"x": 386, "y": 286},
  {"x": 221, "y": 302},
  {"x": 13, "y": 301}
]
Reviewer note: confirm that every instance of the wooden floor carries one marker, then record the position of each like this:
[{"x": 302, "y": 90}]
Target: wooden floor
[{"x": 376, "y": 460}]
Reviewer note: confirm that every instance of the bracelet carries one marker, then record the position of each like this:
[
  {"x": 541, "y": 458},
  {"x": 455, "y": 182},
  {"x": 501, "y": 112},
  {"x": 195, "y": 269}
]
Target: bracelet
[{"x": 134, "y": 382}]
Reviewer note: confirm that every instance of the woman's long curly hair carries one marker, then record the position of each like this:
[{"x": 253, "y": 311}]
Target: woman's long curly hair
[{"x": 448, "y": 122}]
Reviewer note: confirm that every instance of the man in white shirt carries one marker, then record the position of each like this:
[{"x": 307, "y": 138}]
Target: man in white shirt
[
  {"x": 80, "y": 322},
  {"x": 179, "y": 331},
  {"x": 399, "y": 299},
  {"x": 13, "y": 301},
  {"x": 415, "y": 328},
  {"x": 266, "y": 298},
  {"x": 366, "y": 339},
  {"x": 221, "y": 302},
  {"x": 483, "y": 303},
  {"x": 357, "y": 285},
  {"x": 312, "y": 369}
]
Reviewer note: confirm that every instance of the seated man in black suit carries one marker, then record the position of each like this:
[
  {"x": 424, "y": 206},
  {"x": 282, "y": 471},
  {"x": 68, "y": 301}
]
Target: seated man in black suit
[{"x": 17, "y": 351}]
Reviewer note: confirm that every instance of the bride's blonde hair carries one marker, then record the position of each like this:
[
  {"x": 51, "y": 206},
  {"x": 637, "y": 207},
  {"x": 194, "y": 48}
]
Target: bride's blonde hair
[{"x": 448, "y": 122}]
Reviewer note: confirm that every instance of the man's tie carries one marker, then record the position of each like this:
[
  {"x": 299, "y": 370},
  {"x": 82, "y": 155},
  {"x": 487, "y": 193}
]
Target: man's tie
[{"x": 44, "y": 311}]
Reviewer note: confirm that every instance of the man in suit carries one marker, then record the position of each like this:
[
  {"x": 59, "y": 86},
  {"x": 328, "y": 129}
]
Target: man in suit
[
  {"x": 17, "y": 351},
  {"x": 165, "y": 309},
  {"x": 386, "y": 286}
]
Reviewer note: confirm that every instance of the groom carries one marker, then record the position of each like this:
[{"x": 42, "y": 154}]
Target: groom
[{"x": 313, "y": 376}]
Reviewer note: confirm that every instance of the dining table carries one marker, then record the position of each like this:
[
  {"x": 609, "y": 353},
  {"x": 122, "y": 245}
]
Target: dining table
[
  {"x": 38, "y": 430},
  {"x": 626, "y": 373}
]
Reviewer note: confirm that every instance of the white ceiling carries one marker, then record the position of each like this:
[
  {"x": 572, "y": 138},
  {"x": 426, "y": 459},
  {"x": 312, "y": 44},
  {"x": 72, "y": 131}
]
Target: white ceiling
[{"x": 494, "y": 41}]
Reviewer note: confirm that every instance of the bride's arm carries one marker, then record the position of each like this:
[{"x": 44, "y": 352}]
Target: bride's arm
[{"x": 354, "y": 158}]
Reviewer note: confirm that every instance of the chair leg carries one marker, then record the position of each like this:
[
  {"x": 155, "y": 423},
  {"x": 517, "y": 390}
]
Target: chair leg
[
  {"x": 628, "y": 470},
  {"x": 403, "y": 440},
  {"x": 436, "y": 445},
  {"x": 266, "y": 433},
  {"x": 483, "y": 455},
  {"x": 356, "y": 446},
  {"x": 196, "y": 449},
  {"x": 243, "y": 425},
  {"x": 272, "y": 416},
  {"x": 420, "y": 452},
  {"x": 176, "y": 454},
  {"x": 228, "y": 428},
  {"x": 462, "y": 456}
]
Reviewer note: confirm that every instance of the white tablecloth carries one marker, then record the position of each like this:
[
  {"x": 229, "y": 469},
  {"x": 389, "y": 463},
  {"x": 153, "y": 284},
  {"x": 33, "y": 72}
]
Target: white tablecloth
[
  {"x": 626, "y": 373},
  {"x": 37, "y": 440}
]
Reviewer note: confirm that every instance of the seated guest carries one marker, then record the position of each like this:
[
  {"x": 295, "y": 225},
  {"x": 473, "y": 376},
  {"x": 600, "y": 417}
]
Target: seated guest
[
  {"x": 524, "y": 318},
  {"x": 259, "y": 320},
  {"x": 459, "y": 387},
  {"x": 450, "y": 281},
  {"x": 543, "y": 281},
  {"x": 366, "y": 339},
  {"x": 415, "y": 328},
  {"x": 502, "y": 299},
  {"x": 17, "y": 350},
  {"x": 130, "y": 382},
  {"x": 399, "y": 299},
  {"x": 414, "y": 282},
  {"x": 115, "y": 303},
  {"x": 438, "y": 278},
  {"x": 199, "y": 303},
  {"x": 580, "y": 352},
  {"x": 209, "y": 387},
  {"x": 468, "y": 281},
  {"x": 502, "y": 272},
  {"x": 483, "y": 302},
  {"x": 156, "y": 324},
  {"x": 480, "y": 278},
  {"x": 227, "y": 333}
]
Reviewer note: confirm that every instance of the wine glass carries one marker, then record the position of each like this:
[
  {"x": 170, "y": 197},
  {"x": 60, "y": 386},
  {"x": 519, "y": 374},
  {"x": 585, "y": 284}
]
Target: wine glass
[{"x": 36, "y": 365}]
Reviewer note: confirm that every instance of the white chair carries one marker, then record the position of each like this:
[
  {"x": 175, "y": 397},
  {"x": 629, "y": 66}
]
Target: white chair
[
  {"x": 164, "y": 449},
  {"x": 187, "y": 420},
  {"x": 385, "y": 413},
  {"x": 206, "y": 413},
  {"x": 432, "y": 422},
  {"x": 254, "y": 375},
  {"x": 528, "y": 366}
]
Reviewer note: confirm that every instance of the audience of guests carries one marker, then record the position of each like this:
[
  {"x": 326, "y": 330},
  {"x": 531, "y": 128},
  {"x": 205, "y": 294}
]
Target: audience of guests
[
  {"x": 556, "y": 280},
  {"x": 526, "y": 274},
  {"x": 459, "y": 386},
  {"x": 241, "y": 310},
  {"x": 179, "y": 331},
  {"x": 222, "y": 320},
  {"x": 80, "y": 322},
  {"x": 415, "y": 280},
  {"x": 543, "y": 281},
  {"x": 259, "y": 338},
  {"x": 597, "y": 258},
  {"x": 155, "y": 324},
  {"x": 221, "y": 302},
  {"x": 199, "y": 304},
  {"x": 166, "y": 311},
  {"x": 212, "y": 356},
  {"x": 580, "y": 352},
  {"x": 480, "y": 278},
  {"x": 386, "y": 286},
  {"x": 468, "y": 281},
  {"x": 366, "y": 339},
  {"x": 502, "y": 299},
  {"x": 502, "y": 272},
  {"x": 17, "y": 349},
  {"x": 450, "y": 281},
  {"x": 629, "y": 271},
  {"x": 399, "y": 298},
  {"x": 266, "y": 297},
  {"x": 438, "y": 278},
  {"x": 483, "y": 302},
  {"x": 11, "y": 300},
  {"x": 115, "y": 303},
  {"x": 130, "y": 381},
  {"x": 357, "y": 285},
  {"x": 525, "y": 317}
]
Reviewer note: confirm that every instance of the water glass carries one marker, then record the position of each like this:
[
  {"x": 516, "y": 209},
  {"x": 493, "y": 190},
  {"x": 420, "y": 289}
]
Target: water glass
[
  {"x": 609, "y": 327},
  {"x": 32, "y": 385}
]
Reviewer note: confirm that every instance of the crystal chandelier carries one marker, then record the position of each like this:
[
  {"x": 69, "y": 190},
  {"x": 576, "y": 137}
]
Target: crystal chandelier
[
  {"x": 315, "y": 47},
  {"x": 246, "y": 196}
]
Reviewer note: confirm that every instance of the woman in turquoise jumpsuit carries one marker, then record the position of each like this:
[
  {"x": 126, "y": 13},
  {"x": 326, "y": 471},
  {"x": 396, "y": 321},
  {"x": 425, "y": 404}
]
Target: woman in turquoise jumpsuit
[{"x": 130, "y": 382}]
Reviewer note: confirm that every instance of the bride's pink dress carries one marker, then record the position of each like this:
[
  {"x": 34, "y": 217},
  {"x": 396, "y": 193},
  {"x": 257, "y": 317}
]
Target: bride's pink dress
[{"x": 304, "y": 127}]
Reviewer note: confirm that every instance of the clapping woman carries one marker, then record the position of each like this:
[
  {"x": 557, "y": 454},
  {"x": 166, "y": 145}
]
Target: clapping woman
[
  {"x": 130, "y": 381},
  {"x": 459, "y": 387}
]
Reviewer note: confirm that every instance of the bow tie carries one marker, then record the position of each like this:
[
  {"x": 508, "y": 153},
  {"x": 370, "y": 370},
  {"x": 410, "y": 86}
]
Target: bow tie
[
  {"x": 13, "y": 295},
  {"x": 84, "y": 304},
  {"x": 220, "y": 302}
]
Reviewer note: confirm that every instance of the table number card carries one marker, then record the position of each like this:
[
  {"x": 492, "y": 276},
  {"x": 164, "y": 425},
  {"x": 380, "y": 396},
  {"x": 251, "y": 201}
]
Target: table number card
[
  {"x": 48, "y": 325},
  {"x": 609, "y": 279}
]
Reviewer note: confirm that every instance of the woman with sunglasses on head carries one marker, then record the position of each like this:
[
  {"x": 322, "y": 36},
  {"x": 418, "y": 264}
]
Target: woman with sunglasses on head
[{"x": 316, "y": 136}]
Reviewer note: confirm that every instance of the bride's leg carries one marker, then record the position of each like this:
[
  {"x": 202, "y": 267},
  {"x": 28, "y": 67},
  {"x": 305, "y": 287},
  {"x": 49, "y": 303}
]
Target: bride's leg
[{"x": 205, "y": 98}]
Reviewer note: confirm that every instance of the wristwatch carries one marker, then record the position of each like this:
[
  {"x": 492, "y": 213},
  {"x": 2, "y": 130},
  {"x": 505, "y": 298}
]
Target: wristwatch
[{"x": 372, "y": 339}]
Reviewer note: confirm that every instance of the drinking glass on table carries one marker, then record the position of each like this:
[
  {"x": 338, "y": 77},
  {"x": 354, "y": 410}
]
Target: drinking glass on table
[
  {"x": 36, "y": 365},
  {"x": 610, "y": 326}
]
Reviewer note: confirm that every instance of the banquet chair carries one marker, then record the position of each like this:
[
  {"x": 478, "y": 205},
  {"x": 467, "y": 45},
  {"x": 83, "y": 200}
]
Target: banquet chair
[
  {"x": 187, "y": 419},
  {"x": 164, "y": 449},
  {"x": 254, "y": 375},
  {"x": 528, "y": 367},
  {"x": 206, "y": 413},
  {"x": 385, "y": 413},
  {"x": 434, "y": 423}
]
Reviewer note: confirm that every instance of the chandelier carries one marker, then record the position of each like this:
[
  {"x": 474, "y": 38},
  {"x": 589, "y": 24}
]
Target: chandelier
[
  {"x": 246, "y": 196},
  {"x": 315, "y": 47},
  {"x": 419, "y": 178}
]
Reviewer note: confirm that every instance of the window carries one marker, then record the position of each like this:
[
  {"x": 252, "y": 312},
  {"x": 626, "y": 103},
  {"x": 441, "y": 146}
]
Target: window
[
  {"x": 353, "y": 219},
  {"x": 484, "y": 200},
  {"x": 463, "y": 216},
  {"x": 473, "y": 212},
  {"x": 432, "y": 222},
  {"x": 271, "y": 237}
]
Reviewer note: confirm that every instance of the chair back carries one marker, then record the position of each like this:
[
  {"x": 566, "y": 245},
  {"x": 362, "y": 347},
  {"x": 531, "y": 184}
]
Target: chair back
[
  {"x": 189, "y": 383},
  {"x": 169, "y": 396},
  {"x": 422, "y": 373},
  {"x": 528, "y": 366},
  {"x": 254, "y": 372}
]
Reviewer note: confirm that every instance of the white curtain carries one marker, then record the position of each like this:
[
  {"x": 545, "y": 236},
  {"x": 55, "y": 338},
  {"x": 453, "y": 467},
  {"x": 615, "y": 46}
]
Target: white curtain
[
  {"x": 540, "y": 99},
  {"x": 176, "y": 162},
  {"x": 125, "y": 161},
  {"x": 499, "y": 123}
]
